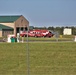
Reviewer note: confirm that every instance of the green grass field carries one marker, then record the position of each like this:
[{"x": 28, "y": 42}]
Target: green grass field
[
  {"x": 49, "y": 39},
  {"x": 56, "y": 58}
]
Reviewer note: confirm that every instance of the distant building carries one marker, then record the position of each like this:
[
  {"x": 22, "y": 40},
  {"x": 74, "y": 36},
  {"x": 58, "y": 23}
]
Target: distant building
[
  {"x": 67, "y": 31},
  {"x": 12, "y": 24}
]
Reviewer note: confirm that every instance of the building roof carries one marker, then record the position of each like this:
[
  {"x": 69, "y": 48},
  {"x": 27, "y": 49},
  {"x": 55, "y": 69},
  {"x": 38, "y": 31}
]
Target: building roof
[
  {"x": 4, "y": 27},
  {"x": 8, "y": 19}
]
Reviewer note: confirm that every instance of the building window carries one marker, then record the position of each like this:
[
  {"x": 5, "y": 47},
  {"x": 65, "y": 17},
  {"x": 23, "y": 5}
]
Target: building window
[{"x": 21, "y": 20}]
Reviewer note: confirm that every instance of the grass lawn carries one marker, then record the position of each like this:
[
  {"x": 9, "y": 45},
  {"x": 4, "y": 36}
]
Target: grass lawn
[
  {"x": 48, "y": 39},
  {"x": 56, "y": 58}
]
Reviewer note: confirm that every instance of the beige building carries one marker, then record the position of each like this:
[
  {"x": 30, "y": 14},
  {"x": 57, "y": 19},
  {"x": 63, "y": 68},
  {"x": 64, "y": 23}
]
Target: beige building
[
  {"x": 18, "y": 23},
  {"x": 5, "y": 30},
  {"x": 67, "y": 31}
]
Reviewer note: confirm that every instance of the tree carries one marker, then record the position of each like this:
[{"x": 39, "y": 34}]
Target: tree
[
  {"x": 51, "y": 28},
  {"x": 73, "y": 30}
]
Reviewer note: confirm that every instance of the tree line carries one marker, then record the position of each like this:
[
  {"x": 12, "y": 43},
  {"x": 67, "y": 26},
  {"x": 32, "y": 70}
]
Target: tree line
[{"x": 56, "y": 29}]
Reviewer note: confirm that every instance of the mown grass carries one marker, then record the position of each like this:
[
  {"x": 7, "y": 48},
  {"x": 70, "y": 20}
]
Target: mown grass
[
  {"x": 49, "y": 39},
  {"x": 45, "y": 58}
]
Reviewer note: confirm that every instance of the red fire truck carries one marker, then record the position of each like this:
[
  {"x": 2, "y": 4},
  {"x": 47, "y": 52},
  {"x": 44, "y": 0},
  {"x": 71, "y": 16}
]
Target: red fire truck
[{"x": 37, "y": 33}]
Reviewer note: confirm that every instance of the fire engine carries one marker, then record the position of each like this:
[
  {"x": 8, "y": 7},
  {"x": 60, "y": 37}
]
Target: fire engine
[{"x": 37, "y": 33}]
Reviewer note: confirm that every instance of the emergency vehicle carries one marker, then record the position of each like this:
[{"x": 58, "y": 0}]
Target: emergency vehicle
[{"x": 37, "y": 33}]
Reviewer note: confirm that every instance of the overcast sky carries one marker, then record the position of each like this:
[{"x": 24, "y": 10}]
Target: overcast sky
[{"x": 42, "y": 12}]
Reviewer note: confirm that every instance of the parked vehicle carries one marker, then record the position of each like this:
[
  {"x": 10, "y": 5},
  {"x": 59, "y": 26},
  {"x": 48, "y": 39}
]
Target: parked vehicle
[{"x": 37, "y": 33}]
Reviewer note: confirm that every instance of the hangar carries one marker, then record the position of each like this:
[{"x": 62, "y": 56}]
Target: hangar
[{"x": 13, "y": 24}]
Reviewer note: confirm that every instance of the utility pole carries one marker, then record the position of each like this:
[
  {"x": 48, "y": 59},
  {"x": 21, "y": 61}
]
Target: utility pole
[{"x": 28, "y": 62}]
